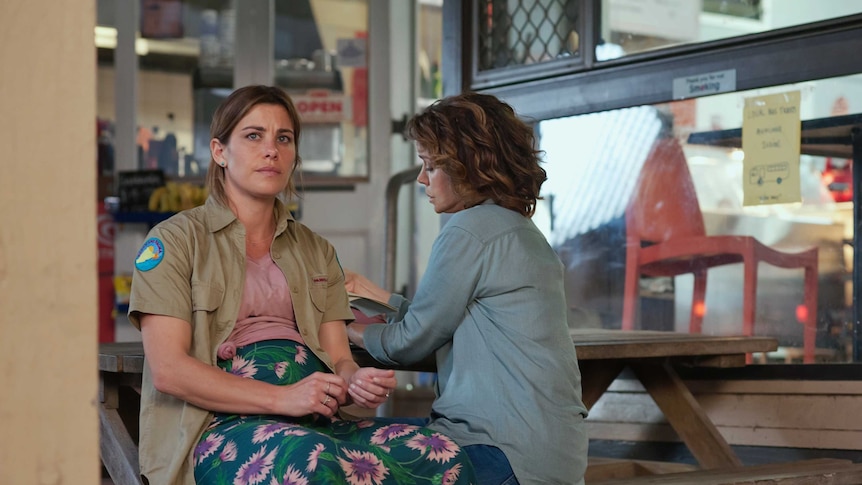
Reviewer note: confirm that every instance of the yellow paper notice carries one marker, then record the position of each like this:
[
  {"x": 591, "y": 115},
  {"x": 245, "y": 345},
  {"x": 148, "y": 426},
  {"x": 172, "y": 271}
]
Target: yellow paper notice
[{"x": 770, "y": 140}]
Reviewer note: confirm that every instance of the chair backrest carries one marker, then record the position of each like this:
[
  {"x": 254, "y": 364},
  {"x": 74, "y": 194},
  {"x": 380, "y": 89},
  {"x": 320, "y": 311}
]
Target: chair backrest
[{"x": 664, "y": 204}]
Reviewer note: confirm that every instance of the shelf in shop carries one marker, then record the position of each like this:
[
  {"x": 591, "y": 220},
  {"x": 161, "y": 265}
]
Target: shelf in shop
[{"x": 150, "y": 218}]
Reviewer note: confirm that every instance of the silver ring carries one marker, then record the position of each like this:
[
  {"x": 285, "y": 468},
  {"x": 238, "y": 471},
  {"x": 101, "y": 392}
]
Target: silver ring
[
  {"x": 327, "y": 399},
  {"x": 387, "y": 393},
  {"x": 327, "y": 387}
]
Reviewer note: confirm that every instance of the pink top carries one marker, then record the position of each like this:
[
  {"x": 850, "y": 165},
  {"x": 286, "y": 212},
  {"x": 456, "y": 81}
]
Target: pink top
[{"x": 266, "y": 311}]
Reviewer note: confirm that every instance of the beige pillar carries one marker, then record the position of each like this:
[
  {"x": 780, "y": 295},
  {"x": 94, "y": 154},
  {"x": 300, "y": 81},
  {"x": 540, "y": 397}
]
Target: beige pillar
[{"x": 48, "y": 316}]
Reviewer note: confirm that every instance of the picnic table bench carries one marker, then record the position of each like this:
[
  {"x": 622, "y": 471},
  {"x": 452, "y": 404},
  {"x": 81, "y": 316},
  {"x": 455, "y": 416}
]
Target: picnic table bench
[
  {"x": 821, "y": 471},
  {"x": 602, "y": 354}
]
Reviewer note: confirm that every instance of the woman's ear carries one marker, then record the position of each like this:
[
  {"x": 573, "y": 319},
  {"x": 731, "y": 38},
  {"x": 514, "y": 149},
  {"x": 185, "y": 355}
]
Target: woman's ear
[{"x": 217, "y": 149}]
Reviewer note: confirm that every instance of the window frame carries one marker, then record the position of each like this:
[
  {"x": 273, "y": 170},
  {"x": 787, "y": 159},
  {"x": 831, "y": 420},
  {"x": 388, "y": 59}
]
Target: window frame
[{"x": 830, "y": 48}]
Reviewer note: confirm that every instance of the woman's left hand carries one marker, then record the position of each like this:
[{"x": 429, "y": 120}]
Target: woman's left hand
[{"x": 370, "y": 387}]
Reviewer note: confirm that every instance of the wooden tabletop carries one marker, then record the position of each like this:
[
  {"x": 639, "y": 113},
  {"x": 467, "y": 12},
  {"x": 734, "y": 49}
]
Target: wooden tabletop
[
  {"x": 592, "y": 344},
  {"x": 601, "y": 344},
  {"x": 122, "y": 357}
]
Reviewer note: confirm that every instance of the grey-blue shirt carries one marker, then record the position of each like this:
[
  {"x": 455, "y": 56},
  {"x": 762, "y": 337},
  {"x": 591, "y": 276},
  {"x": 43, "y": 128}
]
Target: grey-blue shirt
[{"x": 491, "y": 305}]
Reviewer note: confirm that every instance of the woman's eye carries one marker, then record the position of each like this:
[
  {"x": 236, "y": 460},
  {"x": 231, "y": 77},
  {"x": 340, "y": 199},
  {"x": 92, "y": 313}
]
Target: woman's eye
[
  {"x": 253, "y": 136},
  {"x": 284, "y": 139}
]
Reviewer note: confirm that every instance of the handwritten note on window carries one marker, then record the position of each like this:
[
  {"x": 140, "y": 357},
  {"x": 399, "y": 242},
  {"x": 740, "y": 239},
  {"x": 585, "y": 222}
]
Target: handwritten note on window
[{"x": 770, "y": 140}]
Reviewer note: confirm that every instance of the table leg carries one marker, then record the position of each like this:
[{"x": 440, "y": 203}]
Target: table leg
[
  {"x": 119, "y": 453},
  {"x": 684, "y": 413},
  {"x": 596, "y": 377}
]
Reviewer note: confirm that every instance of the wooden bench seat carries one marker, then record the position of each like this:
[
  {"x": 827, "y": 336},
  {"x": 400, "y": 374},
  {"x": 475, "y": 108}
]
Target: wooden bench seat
[
  {"x": 822, "y": 471},
  {"x": 600, "y": 469}
]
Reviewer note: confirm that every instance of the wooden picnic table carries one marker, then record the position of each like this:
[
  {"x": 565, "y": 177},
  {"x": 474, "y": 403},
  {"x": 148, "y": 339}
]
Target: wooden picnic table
[
  {"x": 652, "y": 357},
  {"x": 602, "y": 355}
]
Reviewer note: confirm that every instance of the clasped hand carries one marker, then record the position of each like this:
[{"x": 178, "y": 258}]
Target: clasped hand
[
  {"x": 323, "y": 393},
  {"x": 370, "y": 387}
]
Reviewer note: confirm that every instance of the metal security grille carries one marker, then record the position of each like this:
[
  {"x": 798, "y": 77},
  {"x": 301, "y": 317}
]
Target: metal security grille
[{"x": 519, "y": 32}]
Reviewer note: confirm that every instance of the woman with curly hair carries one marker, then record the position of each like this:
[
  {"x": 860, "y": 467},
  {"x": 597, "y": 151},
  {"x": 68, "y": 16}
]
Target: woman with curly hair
[{"x": 490, "y": 305}]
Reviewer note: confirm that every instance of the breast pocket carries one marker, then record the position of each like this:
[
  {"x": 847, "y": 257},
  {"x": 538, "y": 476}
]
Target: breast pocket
[
  {"x": 318, "y": 301},
  {"x": 317, "y": 293}
]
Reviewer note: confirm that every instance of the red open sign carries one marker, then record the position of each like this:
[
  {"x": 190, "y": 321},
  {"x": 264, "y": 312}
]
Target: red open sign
[{"x": 321, "y": 108}]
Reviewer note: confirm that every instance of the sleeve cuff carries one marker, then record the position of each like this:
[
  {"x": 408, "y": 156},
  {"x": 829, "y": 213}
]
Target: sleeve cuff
[{"x": 372, "y": 338}]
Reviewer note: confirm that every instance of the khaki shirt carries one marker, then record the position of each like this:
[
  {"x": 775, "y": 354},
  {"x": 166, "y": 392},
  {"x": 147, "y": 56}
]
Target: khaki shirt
[{"x": 199, "y": 277}]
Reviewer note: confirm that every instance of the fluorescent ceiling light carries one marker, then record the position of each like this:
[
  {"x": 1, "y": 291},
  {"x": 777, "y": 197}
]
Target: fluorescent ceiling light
[{"x": 106, "y": 38}]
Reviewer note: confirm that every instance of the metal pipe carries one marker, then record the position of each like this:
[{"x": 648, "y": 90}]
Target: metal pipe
[{"x": 393, "y": 187}]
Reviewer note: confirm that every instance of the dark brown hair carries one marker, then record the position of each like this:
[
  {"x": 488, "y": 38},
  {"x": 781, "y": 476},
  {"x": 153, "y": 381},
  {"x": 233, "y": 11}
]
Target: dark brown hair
[
  {"x": 484, "y": 147},
  {"x": 228, "y": 115}
]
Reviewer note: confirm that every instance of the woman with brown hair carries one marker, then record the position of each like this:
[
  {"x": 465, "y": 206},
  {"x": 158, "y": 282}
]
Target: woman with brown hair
[
  {"x": 242, "y": 312},
  {"x": 490, "y": 305}
]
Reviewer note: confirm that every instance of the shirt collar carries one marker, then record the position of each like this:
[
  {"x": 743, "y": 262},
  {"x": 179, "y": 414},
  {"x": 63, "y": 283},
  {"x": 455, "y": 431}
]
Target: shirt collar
[
  {"x": 284, "y": 218},
  {"x": 219, "y": 216}
]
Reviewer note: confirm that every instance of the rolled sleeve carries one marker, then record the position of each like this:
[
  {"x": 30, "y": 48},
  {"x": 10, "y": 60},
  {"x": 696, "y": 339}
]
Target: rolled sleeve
[{"x": 373, "y": 338}]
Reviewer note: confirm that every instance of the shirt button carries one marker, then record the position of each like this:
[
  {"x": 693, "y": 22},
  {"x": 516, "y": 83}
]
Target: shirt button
[{"x": 276, "y": 255}]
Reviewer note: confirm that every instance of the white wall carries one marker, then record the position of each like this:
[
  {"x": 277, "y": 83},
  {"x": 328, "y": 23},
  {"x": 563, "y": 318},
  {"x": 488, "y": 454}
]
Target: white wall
[{"x": 159, "y": 93}]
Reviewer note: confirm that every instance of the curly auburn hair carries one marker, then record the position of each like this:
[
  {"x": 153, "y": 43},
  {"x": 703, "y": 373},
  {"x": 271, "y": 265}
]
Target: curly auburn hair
[{"x": 487, "y": 151}]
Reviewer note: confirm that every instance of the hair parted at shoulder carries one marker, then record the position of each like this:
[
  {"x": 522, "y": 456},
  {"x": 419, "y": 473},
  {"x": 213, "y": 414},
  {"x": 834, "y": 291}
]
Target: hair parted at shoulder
[
  {"x": 488, "y": 151},
  {"x": 228, "y": 115}
]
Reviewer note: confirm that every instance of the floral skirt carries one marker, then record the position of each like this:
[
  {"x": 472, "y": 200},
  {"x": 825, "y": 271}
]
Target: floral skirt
[{"x": 279, "y": 450}]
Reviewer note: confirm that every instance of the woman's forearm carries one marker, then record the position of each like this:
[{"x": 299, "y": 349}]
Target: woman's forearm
[
  {"x": 211, "y": 388},
  {"x": 356, "y": 332}
]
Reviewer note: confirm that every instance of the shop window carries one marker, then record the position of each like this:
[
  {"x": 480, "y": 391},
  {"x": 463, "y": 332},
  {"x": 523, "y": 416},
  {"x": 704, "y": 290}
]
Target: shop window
[
  {"x": 522, "y": 32},
  {"x": 635, "y": 26},
  {"x": 594, "y": 163},
  {"x": 185, "y": 57},
  {"x": 429, "y": 53},
  {"x": 525, "y": 38}
]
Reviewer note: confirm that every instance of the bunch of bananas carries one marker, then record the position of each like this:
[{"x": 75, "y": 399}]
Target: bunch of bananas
[{"x": 174, "y": 197}]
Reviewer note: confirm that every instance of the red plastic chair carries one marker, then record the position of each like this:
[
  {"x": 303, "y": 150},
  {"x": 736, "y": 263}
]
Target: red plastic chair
[{"x": 665, "y": 236}]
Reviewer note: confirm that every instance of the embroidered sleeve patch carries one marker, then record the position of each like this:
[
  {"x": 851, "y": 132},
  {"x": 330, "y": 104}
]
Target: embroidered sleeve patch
[{"x": 150, "y": 254}]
